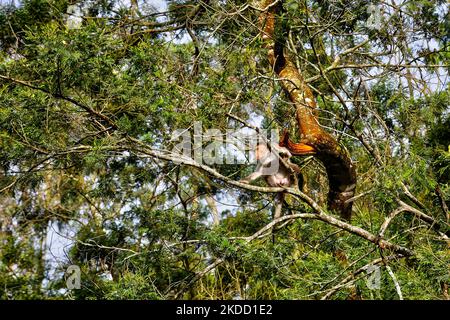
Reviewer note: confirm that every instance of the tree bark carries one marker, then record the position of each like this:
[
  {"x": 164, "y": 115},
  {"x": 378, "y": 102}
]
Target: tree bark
[{"x": 314, "y": 140}]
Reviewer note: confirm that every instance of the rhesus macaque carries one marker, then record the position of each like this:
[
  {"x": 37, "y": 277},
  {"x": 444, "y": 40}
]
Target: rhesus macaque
[{"x": 275, "y": 172}]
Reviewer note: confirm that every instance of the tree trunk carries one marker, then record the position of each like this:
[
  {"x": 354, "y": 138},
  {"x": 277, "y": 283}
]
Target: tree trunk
[{"x": 314, "y": 140}]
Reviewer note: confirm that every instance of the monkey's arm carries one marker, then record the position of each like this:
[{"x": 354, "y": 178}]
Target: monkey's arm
[
  {"x": 253, "y": 176},
  {"x": 294, "y": 167},
  {"x": 281, "y": 151}
]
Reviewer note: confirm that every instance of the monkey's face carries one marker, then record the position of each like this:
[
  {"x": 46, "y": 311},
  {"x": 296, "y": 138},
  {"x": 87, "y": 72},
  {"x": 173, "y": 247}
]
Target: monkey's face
[{"x": 279, "y": 180}]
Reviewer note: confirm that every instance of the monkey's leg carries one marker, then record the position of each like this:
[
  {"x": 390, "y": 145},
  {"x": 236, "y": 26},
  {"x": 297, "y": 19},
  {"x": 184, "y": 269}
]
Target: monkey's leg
[{"x": 279, "y": 200}]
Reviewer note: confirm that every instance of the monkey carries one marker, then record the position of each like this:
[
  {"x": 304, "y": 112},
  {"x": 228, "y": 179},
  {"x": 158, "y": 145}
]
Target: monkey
[
  {"x": 341, "y": 187},
  {"x": 276, "y": 172}
]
